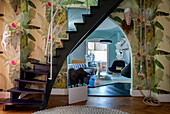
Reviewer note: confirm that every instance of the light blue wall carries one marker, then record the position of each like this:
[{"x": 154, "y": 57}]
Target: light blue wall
[
  {"x": 107, "y": 30},
  {"x": 79, "y": 53}
]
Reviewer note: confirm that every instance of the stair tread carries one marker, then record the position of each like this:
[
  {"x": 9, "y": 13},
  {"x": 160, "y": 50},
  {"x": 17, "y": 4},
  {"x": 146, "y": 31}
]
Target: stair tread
[
  {"x": 22, "y": 102},
  {"x": 87, "y": 15},
  {"x": 71, "y": 31},
  {"x": 98, "y": 7},
  {"x": 43, "y": 72},
  {"x": 26, "y": 90},
  {"x": 79, "y": 23},
  {"x": 44, "y": 64},
  {"x": 32, "y": 81},
  {"x": 60, "y": 49}
]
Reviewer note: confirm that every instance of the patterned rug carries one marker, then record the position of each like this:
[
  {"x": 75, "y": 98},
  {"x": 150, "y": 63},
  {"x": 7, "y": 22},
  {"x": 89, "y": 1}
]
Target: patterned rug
[{"x": 80, "y": 110}]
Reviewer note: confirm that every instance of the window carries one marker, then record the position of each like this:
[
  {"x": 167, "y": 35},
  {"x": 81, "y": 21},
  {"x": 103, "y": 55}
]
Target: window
[{"x": 100, "y": 52}]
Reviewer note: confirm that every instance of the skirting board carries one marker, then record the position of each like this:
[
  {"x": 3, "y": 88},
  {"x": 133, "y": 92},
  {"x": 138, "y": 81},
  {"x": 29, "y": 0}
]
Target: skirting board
[
  {"x": 5, "y": 95},
  {"x": 160, "y": 97},
  {"x": 53, "y": 92}
]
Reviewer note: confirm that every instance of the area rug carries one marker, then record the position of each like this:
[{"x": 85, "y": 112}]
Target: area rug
[
  {"x": 80, "y": 110},
  {"x": 114, "y": 79}
]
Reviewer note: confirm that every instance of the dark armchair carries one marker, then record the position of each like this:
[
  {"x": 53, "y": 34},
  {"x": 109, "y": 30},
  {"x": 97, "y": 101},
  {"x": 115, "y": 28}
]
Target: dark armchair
[{"x": 117, "y": 66}]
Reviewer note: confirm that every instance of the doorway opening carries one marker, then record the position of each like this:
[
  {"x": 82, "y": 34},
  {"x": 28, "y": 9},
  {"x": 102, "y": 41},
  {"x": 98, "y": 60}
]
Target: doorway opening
[{"x": 98, "y": 55}]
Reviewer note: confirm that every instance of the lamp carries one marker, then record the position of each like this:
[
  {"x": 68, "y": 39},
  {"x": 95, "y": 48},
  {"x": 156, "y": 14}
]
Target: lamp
[{"x": 106, "y": 41}]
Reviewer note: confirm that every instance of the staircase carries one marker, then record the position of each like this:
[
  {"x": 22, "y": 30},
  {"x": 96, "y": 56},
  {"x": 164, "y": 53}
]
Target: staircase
[{"x": 91, "y": 22}]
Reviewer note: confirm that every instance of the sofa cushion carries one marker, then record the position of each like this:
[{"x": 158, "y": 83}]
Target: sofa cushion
[
  {"x": 88, "y": 70},
  {"x": 82, "y": 65},
  {"x": 77, "y": 66}
]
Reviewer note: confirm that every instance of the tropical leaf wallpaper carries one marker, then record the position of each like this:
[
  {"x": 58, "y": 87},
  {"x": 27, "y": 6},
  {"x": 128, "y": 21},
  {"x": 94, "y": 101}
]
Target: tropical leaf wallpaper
[
  {"x": 10, "y": 58},
  {"x": 29, "y": 21},
  {"x": 157, "y": 34}
]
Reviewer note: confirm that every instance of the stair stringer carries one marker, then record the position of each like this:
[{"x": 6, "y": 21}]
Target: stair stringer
[{"x": 76, "y": 38}]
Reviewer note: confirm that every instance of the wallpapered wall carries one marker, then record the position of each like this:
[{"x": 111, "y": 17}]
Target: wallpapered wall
[
  {"x": 28, "y": 24},
  {"x": 158, "y": 21},
  {"x": 33, "y": 29},
  {"x": 10, "y": 59}
]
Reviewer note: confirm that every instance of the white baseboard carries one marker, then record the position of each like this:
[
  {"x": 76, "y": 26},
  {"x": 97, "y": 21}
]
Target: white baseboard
[
  {"x": 136, "y": 93},
  {"x": 53, "y": 92},
  {"x": 56, "y": 91},
  {"x": 5, "y": 95},
  {"x": 163, "y": 97},
  {"x": 160, "y": 97}
]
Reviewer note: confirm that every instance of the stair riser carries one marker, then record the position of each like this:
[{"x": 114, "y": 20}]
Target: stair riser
[
  {"x": 99, "y": 3},
  {"x": 14, "y": 95},
  {"x": 23, "y": 87},
  {"x": 94, "y": 9},
  {"x": 41, "y": 67},
  {"x": 14, "y": 92},
  {"x": 54, "y": 60},
  {"x": 31, "y": 82}
]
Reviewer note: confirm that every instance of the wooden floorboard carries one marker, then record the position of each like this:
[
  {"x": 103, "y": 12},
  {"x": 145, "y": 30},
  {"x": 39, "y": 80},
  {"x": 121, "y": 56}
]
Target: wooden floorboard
[{"x": 128, "y": 104}]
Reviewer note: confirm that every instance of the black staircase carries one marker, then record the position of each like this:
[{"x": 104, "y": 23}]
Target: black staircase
[{"x": 91, "y": 22}]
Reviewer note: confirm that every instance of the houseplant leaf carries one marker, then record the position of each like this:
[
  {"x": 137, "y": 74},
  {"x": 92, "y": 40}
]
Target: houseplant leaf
[
  {"x": 157, "y": 24},
  {"x": 159, "y": 64},
  {"x": 31, "y": 4},
  {"x": 31, "y": 37}
]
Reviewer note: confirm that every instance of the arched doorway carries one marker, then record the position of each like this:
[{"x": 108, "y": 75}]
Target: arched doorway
[
  {"x": 107, "y": 30},
  {"x": 110, "y": 30}
]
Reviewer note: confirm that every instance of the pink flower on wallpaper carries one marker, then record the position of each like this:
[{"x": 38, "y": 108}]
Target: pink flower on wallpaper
[
  {"x": 14, "y": 25},
  {"x": 13, "y": 62},
  {"x": 50, "y": 37},
  {"x": 139, "y": 54},
  {"x": 49, "y": 3},
  {"x": 139, "y": 20},
  {"x": 138, "y": 87}
]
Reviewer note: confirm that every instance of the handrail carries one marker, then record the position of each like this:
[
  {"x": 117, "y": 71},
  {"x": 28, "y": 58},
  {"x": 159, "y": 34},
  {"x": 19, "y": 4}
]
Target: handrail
[{"x": 51, "y": 49}]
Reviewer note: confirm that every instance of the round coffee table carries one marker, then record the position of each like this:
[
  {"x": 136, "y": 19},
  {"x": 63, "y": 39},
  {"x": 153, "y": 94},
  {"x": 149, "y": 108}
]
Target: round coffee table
[{"x": 100, "y": 79}]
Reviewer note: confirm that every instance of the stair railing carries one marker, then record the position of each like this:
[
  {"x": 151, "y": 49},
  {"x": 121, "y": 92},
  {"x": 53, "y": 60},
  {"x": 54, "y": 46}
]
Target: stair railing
[
  {"x": 49, "y": 51},
  {"x": 57, "y": 35},
  {"x": 51, "y": 31},
  {"x": 51, "y": 48}
]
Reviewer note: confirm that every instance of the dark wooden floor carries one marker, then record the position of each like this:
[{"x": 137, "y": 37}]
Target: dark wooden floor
[
  {"x": 128, "y": 104},
  {"x": 116, "y": 90}
]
